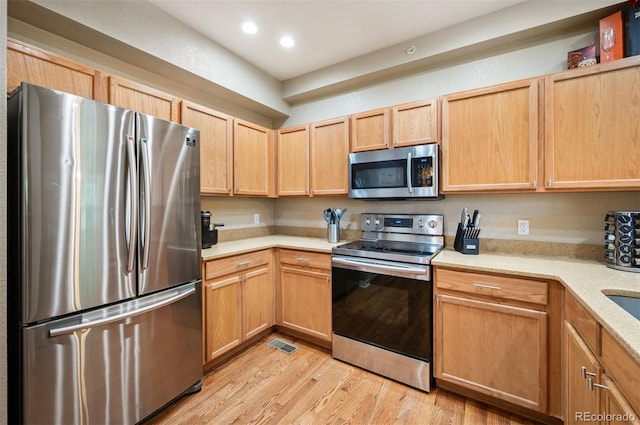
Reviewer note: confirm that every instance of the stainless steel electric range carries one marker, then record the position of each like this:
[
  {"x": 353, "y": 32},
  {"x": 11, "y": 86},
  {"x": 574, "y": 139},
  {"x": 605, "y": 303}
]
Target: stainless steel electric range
[{"x": 383, "y": 296}]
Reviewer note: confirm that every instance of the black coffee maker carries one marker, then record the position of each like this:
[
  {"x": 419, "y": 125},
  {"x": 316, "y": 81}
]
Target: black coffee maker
[{"x": 209, "y": 231}]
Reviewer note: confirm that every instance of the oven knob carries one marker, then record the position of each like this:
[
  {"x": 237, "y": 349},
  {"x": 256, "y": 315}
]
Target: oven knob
[
  {"x": 367, "y": 221},
  {"x": 377, "y": 222},
  {"x": 420, "y": 223},
  {"x": 433, "y": 224}
]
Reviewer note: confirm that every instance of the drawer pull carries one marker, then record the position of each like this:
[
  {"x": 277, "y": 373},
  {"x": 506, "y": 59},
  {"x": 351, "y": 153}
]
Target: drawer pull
[
  {"x": 593, "y": 385},
  {"x": 244, "y": 263},
  {"x": 482, "y": 285},
  {"x": 302, "y": 259},
  {"x": 583, "y": 371}
]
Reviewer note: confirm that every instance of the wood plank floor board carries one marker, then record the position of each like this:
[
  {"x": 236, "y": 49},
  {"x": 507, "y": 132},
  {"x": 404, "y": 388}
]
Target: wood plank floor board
[{"x": 262, "y": 385}]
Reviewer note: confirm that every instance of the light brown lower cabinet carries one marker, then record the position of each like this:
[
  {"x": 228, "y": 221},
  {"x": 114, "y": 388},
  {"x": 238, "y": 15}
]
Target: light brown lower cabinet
[
  {"x": 495, "y": 349},
  {"x": 304, "y": 293},
  {"x": 601, "y": 387},
  {"x": 579, "y": 361},
  {"x": 238, "y": 301},
  {"x": 491, "y": 336}
]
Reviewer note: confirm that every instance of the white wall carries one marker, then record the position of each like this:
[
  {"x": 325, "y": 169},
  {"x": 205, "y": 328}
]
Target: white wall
[{"x": 533, "y": 58}]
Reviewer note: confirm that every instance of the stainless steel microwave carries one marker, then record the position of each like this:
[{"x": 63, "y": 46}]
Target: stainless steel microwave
[{"x": 400, "y": 173}]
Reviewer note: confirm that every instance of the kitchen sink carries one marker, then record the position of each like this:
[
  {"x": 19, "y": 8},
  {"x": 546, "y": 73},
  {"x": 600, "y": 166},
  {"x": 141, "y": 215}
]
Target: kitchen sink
[{"x": 630, "y": 304}]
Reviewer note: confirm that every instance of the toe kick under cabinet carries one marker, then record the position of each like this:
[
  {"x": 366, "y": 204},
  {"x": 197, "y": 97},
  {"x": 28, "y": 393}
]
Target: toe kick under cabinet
[{"x": 495, "y": 336}]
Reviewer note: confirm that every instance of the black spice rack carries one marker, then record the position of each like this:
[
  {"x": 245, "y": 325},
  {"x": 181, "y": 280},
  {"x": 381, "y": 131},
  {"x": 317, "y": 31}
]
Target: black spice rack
[{"x": 622, "y": 240}]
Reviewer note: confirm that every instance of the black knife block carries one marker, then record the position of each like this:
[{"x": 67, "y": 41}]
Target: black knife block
[{"x": 464, "y": 244}]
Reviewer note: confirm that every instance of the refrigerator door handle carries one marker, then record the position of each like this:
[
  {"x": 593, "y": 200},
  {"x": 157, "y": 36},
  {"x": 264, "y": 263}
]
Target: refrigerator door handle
[
  {"x": 147, "y": 203},
  {"x": 177, "y": 296},
  {"x": 133, "y": 192}
]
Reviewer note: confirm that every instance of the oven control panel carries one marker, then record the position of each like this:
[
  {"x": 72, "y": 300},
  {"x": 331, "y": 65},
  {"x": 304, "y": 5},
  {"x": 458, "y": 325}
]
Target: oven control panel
[{"x": 431, "y": 224}]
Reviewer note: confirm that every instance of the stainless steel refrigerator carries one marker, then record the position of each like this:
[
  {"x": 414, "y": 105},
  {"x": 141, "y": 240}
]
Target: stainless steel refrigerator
[{"x": 104, "y": 280}]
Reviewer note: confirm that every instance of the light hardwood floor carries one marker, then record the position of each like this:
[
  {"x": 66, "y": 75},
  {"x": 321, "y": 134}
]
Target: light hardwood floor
[{"x": 263, "y": 385}]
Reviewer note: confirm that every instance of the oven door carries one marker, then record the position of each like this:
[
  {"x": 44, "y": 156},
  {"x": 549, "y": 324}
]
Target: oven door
[{"x": 383, "y": 303}]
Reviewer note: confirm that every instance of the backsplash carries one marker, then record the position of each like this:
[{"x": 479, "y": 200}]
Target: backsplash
[{"x": 561, "y": 224}]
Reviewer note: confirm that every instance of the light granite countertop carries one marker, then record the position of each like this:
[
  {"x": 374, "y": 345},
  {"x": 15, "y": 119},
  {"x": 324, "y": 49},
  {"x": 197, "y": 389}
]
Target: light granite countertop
[
  {"x": 224, "y": 249},
  {"x": 583, "y": 278}
]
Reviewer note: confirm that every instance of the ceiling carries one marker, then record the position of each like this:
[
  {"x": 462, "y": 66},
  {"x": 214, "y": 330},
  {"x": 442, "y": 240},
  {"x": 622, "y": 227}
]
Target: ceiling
[{"x": 326, "y": 32}]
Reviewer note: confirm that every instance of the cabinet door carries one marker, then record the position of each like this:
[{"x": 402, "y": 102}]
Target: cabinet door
[
  {"x": 579, "y": 400},
  {"x": 36, "y": 66},
  {"x": 495, "y": 349},
  {"x": 258, "y": 307},
  {"x": 305, "y": 301},
  {"x": 252, "y": 159},
  {"x": 370, "y": 130},
  {"x": 330, "y": 157},
  {"x": 415, "y": 123},
  {"x": 140, "y": 98},
  {"x": 615, "y": 407},
  {"x": 293, "y": 161},
  {"x": 216, "y": 147},
  {"x": 592, "y": 138},
  {"x": 490, "y": 139},
  {"x": 223, "y": 317}
]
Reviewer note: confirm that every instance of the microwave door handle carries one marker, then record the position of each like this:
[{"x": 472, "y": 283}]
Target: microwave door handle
[{"x": 409, "y": 155}]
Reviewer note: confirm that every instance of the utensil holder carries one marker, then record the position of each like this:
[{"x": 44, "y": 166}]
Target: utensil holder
[
  {"x": 465, "y": 244},
  {"x": 333, "y": 232}
]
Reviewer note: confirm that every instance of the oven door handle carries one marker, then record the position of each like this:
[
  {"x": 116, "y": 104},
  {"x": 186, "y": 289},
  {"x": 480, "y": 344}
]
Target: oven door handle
[{"x": 399, "y": 270}]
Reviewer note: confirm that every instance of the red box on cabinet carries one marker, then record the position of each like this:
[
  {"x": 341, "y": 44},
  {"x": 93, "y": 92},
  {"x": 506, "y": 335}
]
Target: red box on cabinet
[{"x": 611, "y": 37}]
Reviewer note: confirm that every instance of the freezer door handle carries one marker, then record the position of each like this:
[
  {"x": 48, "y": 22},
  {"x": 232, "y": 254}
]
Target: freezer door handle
[
  {"x": 88, "y": 324},
  {"x": 146, "y": 174},
  {"x": 133, "y": 194}
]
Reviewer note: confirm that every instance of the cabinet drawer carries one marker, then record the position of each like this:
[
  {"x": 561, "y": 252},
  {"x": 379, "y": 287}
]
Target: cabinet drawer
[
  {"x": 510, "y": 288},
  {"x": 582, "y": 321},
  {"x": 316, "y": 260},
  {"x": 224, "y": 266}
]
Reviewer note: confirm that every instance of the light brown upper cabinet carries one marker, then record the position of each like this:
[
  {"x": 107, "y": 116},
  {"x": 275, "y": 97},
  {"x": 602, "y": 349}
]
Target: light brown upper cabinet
[
  {"x": 293, "y": 161},
  {"x": 592, "y": 138},
  {"x": 253, "y": 159},
  {"x": 216, "y": 147},
  {"x": 330, "y": 157},
  {"x": 370, "y": 130},
  {"x": 313, "y": 159},
  {"x": 143, "y": 99},
  {"x": 408, "y": 124},
  {"x": 490, "y": 138},
  {"x": 32, "y": 65},
  {"x": 415, "y": 123}
]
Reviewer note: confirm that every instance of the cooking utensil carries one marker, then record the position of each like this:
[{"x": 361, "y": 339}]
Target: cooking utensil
[
  {"x": 338, "y": 213},
  {"x": 327, "y": 215}
]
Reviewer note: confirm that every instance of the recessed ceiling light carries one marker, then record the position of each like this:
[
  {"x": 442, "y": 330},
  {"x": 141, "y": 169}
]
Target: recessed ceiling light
[
  {"x": 249, "y": 27},
  {"x": 287, "y": 41}
]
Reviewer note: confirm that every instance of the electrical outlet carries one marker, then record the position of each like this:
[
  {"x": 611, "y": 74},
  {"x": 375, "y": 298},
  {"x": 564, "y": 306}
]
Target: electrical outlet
[
  {"x": 523, "y": 227},
  {"x": 256, "y": 218}
]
